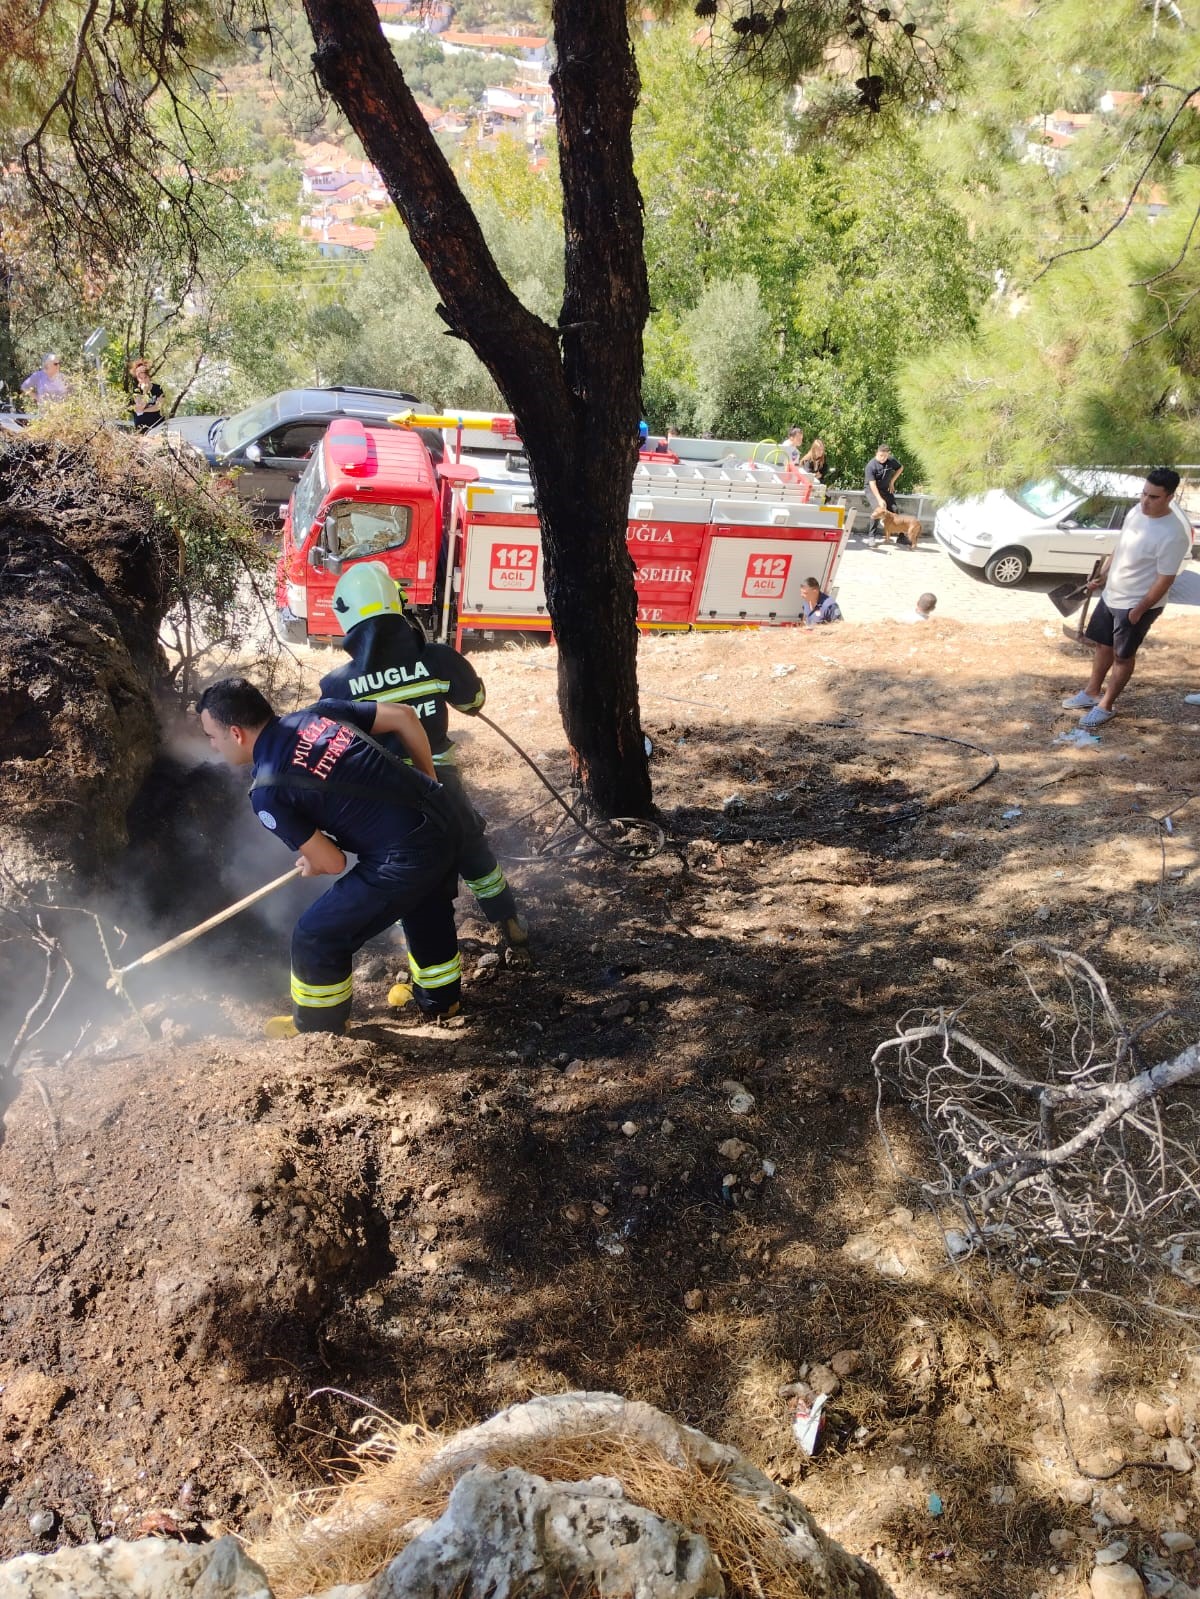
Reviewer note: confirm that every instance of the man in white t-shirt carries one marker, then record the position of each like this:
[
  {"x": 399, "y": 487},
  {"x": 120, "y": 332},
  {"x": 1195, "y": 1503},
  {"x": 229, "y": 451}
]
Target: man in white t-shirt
[{"x": 1153, "y": 544}]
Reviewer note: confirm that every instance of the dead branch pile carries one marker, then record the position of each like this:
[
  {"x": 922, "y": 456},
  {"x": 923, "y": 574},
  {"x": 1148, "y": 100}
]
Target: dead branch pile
[{"x": 1064, "y": 1151}]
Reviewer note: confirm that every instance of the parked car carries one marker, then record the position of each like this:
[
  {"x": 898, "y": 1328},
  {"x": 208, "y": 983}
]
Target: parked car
[
  {"x": 267, "y": 444},
  {"x": 1059, "y": 523}
]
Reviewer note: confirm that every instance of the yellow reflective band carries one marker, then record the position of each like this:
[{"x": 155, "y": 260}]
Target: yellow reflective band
[
  {"x": 446, "y": 758},
  {"x": 369, "y": 610},
  {"x": 415, "y": 691},
  {"x": 321, "y": 996},
  {"x": 474, "y": 704},
  {"x": 487, "y": 887},
  {"x": 436, "y": 976}
]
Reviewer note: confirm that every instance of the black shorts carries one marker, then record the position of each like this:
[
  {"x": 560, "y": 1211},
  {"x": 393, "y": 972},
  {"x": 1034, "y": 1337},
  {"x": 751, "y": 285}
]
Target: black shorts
[{"x": 1114, "y": 629}]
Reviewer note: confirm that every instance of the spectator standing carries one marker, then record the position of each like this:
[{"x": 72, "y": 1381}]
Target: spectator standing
[
  {"x": 146, "y": 396},
  {"x": 879, "y": 481},
  {"x": 793, "y": 445},
  {"x": 815, "y": 461},
  {"x": 47, "y": 384},
  {"x": 819, "y": 607},
  {"x": 1154, "y": 542}
]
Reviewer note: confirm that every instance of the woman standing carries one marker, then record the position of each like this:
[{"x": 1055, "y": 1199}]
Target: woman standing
[
  {"x": 146, "y": 396},
  {"x": 815, "y": 461}
]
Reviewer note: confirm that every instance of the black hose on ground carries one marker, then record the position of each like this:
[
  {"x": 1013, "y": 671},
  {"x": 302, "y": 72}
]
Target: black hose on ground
[{"x": 644, "y": 852}]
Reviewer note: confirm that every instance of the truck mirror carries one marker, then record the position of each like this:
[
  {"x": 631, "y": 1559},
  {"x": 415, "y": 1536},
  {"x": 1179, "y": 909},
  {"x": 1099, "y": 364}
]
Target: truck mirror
[
  {"x": 316, "y": 558},
  {"x": 283, "y": 511}
]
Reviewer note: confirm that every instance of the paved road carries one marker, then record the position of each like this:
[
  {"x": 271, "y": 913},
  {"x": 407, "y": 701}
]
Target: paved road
[{"x": 884, "y": 582}]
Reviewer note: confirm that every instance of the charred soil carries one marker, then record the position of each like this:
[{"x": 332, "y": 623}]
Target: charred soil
[{"x": 649, "y": 1162}]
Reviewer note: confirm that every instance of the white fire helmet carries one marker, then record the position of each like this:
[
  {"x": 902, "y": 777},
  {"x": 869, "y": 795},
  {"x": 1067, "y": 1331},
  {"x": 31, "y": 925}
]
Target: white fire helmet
[{"x": 368, "y": 589}]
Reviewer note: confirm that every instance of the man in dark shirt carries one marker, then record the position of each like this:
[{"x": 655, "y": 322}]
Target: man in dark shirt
[
  {"x": 391, "y": 661},
  {"x": 879, "y": 481},
  {"x": 324, "y": 790}
]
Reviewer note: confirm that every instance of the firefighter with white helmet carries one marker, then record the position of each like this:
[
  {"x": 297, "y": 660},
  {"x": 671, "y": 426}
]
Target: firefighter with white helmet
[{"x": 391, "y": 661}]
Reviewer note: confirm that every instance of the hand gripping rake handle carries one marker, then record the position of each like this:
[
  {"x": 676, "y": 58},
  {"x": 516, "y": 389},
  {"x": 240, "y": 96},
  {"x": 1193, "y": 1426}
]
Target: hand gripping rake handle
[{"x": 173, "y": 944}]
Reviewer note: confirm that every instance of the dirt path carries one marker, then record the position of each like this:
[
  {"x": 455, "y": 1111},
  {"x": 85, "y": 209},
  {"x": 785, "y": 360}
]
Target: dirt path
[{"x": 202, "y": 1237}]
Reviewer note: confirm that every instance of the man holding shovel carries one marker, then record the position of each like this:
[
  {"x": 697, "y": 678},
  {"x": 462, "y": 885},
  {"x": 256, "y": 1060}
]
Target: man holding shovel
[
  {"x": 1153, "y": 544},
  {"x": 324, "y": 787}
]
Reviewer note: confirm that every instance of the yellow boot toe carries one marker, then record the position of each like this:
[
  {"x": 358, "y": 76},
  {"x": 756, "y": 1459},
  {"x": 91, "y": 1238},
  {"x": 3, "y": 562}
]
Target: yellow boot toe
[{"x": 280, "y": 1027}]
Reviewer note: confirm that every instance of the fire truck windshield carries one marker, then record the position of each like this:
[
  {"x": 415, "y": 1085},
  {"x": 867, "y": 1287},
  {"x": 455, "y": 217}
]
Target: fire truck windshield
[
  {"x": 306, "y": 501},
  {"x": 360, "y": 529}
]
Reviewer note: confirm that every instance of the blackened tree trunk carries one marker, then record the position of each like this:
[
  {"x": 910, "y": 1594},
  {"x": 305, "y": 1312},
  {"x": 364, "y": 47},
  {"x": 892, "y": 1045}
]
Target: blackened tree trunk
[{"x": 574, "y": 390}]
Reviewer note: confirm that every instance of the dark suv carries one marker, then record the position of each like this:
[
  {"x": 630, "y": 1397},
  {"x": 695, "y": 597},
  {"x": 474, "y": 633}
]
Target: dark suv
[{"x": 267, "y": 444}]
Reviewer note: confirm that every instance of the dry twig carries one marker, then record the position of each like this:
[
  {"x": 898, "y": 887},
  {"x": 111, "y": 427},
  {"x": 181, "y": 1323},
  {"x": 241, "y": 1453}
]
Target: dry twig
[{"x": 1072, "y": 1155}]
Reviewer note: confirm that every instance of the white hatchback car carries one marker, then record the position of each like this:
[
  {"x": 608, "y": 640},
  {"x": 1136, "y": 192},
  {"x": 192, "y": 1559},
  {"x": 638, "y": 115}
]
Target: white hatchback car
[{"x": 1062, "y": 522}]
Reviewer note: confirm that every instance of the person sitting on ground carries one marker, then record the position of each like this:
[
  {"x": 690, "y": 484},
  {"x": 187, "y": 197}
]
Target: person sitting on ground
[
  {"x": 1154, "y": 542},
  {"x": 818, "y": 607},
  {"x": 815, "y": 462},
  {"x": 926, "y": 606},
  {"x": 47, "y": 384}
]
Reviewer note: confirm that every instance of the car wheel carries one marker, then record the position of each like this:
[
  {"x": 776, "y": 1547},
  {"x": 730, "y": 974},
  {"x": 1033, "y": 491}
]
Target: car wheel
[{"x": 1007, "y": 568}]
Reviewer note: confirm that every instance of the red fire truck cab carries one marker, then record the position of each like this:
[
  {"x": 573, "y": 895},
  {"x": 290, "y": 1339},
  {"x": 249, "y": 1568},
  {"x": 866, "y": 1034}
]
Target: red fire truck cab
[{"x": 718, "y": 539}]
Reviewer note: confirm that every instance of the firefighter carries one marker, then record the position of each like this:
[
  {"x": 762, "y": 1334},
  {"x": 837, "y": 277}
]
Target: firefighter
[
  {"x": 391, "y": 661},
  {"x": 322, "y": 785}
]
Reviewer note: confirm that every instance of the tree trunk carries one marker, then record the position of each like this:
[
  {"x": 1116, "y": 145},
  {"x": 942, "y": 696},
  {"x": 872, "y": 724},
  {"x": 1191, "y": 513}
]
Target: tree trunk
[
  {"x": 10, "y": 373},
  {"x": 574, "y": 390}
]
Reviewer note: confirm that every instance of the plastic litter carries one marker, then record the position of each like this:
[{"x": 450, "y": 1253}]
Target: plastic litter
[
  {"x": 1079, "y": 737},
  {"x": 781, "y": 670},
  {"x": 741, "y": 1104},
  {"x": 809, "y": 1422},
  {"x": 1191, "y": 699},
  {"x": 935, "y": 1504},
  {"x": 1169, "y": 825},
  {"x": 1011, "y": 814}
]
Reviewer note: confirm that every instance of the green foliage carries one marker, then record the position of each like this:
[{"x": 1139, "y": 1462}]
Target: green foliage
[
  {"x": 385, "y": 329},
  {"x": 457, "y": 80},
  {"x": 853, "y": 259},
  {"x": 1095, "y": 361}
]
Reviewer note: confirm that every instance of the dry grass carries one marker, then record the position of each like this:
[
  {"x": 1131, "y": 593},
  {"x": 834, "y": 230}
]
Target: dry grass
[{"x": 348, "y": 1534}]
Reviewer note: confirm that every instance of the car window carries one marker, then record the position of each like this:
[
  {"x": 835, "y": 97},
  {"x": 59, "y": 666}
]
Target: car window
[
  {"x": 356, "y": 530},
  {"x": 248, "y": 424},
  {"x": 1101, "y": 511},
  {"x": 1046, "y": 496},
  {"x": 293, "y": 442}
]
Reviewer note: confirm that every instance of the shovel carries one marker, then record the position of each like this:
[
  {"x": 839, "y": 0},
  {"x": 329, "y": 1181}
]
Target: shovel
[
  {"x": 1068, "y": 597},
  {"x": 119, "y": 973}
]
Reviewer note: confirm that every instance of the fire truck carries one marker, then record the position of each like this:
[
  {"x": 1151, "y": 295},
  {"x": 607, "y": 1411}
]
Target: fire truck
[{"x": 722, "y": 533}]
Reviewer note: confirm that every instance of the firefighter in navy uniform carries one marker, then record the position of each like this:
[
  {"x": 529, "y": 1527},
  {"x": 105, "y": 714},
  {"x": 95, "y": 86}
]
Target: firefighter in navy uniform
[
  {"x": 391, "y": 662},
  {"x": 322, "y": 788}
]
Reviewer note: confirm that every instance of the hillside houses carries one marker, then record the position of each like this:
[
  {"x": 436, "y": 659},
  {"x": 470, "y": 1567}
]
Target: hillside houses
[{"x": 343, "y": 197}]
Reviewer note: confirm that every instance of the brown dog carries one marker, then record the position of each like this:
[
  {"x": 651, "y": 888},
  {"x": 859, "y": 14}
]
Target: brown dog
[{"x": 899, "y": 527}]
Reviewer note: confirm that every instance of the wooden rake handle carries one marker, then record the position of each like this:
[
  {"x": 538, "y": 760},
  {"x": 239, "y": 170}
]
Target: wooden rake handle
[{"x": 178, "y": 942}]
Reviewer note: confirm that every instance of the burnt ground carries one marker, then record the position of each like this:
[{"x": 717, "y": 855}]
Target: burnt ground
[{"x": 208, "y": 1242}]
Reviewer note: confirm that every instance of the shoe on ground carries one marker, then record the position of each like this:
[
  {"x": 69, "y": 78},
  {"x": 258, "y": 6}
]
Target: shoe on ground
[
  {"x": 280, "y": 1027},
  {"x": 401, "y": 994},
  {"x": 1096, "y": 717},
  {"x": 1082, "y": 701}
]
